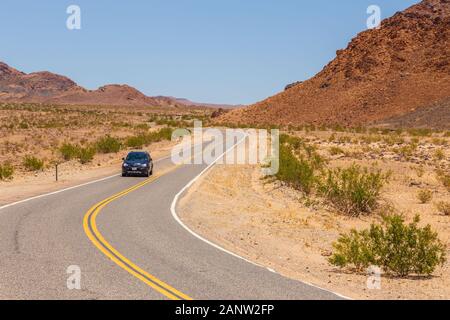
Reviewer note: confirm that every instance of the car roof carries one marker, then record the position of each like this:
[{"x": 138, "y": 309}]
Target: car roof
[{"x": 139, "y": 152}]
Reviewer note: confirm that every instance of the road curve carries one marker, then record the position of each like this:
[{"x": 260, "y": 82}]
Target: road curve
[{"x": 148, "y": 255}]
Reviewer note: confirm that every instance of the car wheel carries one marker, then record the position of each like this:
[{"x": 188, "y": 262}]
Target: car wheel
[{"x": 124, "y": 174}]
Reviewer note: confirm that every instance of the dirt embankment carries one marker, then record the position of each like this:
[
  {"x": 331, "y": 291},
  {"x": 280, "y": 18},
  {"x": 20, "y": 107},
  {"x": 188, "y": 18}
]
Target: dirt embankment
[{"x": 271, "y": 224}]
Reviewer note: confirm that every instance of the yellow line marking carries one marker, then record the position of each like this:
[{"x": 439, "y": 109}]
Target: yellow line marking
[{"x": 91, "y": 230}]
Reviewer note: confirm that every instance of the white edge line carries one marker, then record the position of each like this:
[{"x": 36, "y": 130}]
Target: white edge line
[
  {"x": 67, "y": 189},
  {"x": 176, "y": 217}
]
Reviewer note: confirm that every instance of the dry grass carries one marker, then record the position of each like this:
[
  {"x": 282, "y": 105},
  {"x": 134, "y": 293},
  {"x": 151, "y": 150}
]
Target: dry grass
[{"x": 33, "y": 136}]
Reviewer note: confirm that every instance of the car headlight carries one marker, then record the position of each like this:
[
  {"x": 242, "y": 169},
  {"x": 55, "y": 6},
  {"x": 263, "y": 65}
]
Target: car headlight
[
  {"x": 144, "y": 165},
  {"x": 125, "y": 164}
]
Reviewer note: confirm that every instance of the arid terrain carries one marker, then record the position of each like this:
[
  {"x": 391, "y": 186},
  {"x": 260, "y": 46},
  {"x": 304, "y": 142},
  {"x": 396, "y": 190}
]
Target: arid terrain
[
  {"x": 399, "y": 69},
  {"x": 283, "y": 229},
  {"x": 105, "y": 134}
]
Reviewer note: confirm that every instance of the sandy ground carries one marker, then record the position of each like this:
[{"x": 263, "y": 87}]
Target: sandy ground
[
  {"x": 269, "y": 224},
  {"x": 70, "y": 174}
]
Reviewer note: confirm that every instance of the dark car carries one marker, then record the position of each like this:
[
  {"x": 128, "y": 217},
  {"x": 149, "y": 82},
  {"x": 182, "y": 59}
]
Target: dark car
[{"x": 137, "y": 163}]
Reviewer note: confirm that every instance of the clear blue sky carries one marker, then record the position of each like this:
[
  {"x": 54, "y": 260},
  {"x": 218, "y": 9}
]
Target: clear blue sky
[{"x": 224, "y": 51}]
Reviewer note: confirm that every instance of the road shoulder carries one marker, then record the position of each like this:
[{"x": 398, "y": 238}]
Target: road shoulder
[{"x": 232, "y": 207}]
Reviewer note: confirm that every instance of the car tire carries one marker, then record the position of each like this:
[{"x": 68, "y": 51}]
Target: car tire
[{"x": 124, "y": 174}]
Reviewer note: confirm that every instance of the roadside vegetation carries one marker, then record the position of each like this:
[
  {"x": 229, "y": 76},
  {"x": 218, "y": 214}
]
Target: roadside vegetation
[
  {"x": 108, "y": 144},
  {"x": 32, "y": 163},
  {"x": 299, "y": 164},
  {"x": 6, "y": 171},
  {"x": 443, "y": 207},
  {"x": 56, "y": 133},
  {"x": 399, "y": 249},
  {"x": 425, "y": 196},
  {"x": 355, "y": 190}
]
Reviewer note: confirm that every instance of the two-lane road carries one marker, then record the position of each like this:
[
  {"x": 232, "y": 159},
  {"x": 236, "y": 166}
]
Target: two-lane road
[{"x": 122, "y": 235}]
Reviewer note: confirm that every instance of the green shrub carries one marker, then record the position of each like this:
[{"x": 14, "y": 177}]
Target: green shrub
[
  {"x": 296, "y": 173},
  {"x": 69, "y": 151},
  {"x": 420, "y": 132},
  {"x": 439, "y": 155},
  {"x": 32, "y": 163},
  {"x": 299, "y": 164},
  {"x": 73, "y": 151},
  {"x": 353, "y": 190},
  {"x": 425, "y": 196},
  {"x": 161, "y": 135},
  {"x": 334, "y": 151},
  {"x": 86, "y": 155},
  {"x": 139, "y": 141},
  {"x": 394, "y": 246},
  {"x": 444, "y": 178},
  {"x": 443, "y": 207},
  {"x": 6, "y": 171},
  {"x": 108, "y": 144},
  {"x": 136, "y": 142}
]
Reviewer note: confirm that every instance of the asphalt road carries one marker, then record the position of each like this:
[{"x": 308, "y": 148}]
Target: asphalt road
[{"x": 129, "y": 247}]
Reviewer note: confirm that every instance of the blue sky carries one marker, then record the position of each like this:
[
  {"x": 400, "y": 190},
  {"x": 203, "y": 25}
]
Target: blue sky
[{"x": 223, "y": 51}]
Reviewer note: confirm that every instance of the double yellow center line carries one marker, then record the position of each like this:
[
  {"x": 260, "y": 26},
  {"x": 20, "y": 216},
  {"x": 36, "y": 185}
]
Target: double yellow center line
[{"x": 91, "y": 230}]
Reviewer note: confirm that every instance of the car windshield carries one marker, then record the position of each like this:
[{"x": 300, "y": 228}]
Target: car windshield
[{"x": 137, "y": 157}]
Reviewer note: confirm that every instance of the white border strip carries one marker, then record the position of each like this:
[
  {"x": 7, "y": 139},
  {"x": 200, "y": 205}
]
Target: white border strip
[{"x": 176, "y": 217}]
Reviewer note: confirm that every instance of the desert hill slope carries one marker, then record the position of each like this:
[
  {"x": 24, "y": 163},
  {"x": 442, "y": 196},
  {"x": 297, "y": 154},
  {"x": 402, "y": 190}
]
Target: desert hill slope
[
  {"x": 383, "y": 73},
  {"x": 47, "y": 87}
]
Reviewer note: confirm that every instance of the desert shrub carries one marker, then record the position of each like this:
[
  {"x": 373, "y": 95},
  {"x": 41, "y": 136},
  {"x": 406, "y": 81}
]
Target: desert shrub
[
  {"x": 444, "y": 178},
  {"x": 6, "y": 171},
  {"x": 424, "y": 196},
  {"x": 420, "y": 171},
  {"x": 439, "y": 155},
  {"x": 32, "y": 163},
  {"x": 408, "y": 150},
  {"x": 141, "y": 140},
  {"x": 393, "y": 139},
  {"x": 160, "y": 135},
  {"x": 73, "y": 151},
  {"x": 108, "y": 144},
  {"x": 69, "y": 151},
  {"x": 136, "y": 142},
  {"x": 420, "y": 132},
  {"x": 142, "y": 126},
  {"x": 398, "y": 248},
  {"x": 334, "y": 151},
  {"x": 299, "y": 164},
  {"x": 443, "y": 207},
  {"x": 353, "y": 190},
  {"x": 86, "y": 155},
  {"x": 297, "y": 173}
]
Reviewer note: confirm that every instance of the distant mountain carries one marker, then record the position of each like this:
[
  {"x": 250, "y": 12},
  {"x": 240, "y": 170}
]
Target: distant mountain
[
  {"x": 386, "y": 73},
  {"x": 187, "y": 102},
  {"x": 47, "y": 87}
]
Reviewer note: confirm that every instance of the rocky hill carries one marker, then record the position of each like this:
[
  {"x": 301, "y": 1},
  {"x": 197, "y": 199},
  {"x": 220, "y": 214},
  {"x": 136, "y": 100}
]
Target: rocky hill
[
  {"x": 384, "y": 73},
  {"x": 47, "y": 87}
]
